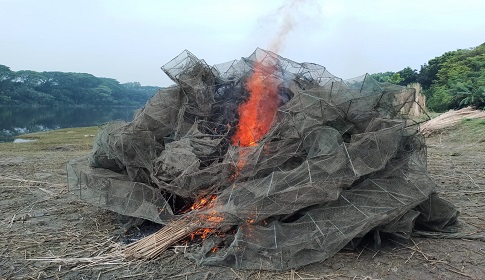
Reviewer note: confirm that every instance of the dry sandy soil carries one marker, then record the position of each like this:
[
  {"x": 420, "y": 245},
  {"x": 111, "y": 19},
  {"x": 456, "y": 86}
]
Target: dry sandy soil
[{"x": 46, "y": 233}]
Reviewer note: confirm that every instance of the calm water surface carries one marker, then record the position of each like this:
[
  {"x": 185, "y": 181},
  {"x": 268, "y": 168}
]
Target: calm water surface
[{"x": 15, "y": 121}]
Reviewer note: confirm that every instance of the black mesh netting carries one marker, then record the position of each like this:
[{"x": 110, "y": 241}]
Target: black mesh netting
[{"x": 340, "y": 159}]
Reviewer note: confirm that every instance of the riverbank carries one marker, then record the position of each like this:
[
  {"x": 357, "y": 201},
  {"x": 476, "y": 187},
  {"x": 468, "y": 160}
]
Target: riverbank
[
  {"x": 18, "y": 120},
  {"x": 47, "y": 233},
  {"x": 68, "y": 139}
]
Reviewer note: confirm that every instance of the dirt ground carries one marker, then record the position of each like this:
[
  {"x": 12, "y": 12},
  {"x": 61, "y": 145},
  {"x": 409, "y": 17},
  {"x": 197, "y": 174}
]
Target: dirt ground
[{"x": 48, "y": 234}]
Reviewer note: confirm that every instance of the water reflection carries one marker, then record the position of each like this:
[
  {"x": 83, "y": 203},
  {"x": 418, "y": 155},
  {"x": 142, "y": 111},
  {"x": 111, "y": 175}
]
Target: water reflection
[
  {"x": 20, "y": 140},
  {"x": 20, "y": 120}
]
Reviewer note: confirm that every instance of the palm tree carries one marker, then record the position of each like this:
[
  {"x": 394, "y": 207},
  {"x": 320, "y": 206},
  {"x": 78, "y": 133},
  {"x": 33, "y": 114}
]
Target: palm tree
[{"x": 466, "y": 96}]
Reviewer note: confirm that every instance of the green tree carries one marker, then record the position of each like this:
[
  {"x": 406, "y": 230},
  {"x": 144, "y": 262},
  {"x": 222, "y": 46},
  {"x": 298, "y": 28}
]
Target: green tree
[
  {"x": 428, "y": 72},
  {"x": 404, "y": 77},
  {"x": 458, "y": 79},
  {"x": 470, "y": 96},
  {"x": 60, "y": 88},
  {"x": 395, "y": 79},
  {"x": 382, "y": 77},
  {"x": 408, "y": 76},
  {"x": 102, "y": 94},
  {"x": 440, "y": 100},
  {"x": 5, "y": 72}
]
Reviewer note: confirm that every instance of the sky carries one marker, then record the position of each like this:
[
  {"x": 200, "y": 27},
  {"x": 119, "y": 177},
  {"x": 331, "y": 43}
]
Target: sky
[{"x": 130, "y": 40}]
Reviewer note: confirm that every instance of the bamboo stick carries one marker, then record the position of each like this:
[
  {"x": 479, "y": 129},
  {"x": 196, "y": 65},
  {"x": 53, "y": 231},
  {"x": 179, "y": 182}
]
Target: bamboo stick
[{"x": 155, "y": 244}]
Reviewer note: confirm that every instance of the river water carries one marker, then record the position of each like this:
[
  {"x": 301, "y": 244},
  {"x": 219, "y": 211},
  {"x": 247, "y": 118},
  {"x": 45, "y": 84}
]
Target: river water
[{"x": 15, "y": 121}]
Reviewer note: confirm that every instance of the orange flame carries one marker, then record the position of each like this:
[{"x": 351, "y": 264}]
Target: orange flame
[
  {"x": 257, "y": 113},
  {"x": 203, "y": 201},
  {"x": 212, "y": 217},
  {"x": 202, "y": 233}
]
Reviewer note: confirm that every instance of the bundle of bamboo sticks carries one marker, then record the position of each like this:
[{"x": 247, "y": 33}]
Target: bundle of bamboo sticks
[
  {"x": 450, "y": 118},
  {"x": 155, "y": 244}
]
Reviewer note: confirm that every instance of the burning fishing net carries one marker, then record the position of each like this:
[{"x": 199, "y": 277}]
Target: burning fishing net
[{"x": 284, "y": 162}]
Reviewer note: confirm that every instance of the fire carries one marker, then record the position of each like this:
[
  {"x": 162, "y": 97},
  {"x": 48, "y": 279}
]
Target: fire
[
  {"x": 212, "y": 217},
  {"x": 255, "y": 118},
  {"x": 203, "y": 201},
  {"x": 257, "y": 113},
  {"x": 202, "y": 233}
]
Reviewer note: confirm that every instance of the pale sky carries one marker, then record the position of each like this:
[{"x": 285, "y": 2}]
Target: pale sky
[{"x": 130, "y": 40}]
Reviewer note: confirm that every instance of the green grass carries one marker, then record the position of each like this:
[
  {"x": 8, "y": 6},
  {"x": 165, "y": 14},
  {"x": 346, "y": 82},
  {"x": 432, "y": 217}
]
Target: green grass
[
  {"x": 74, "y": 139},
  {"x": 468, "y": 131},
  {"x": 474, "y": 129},
  {"x": 477, "y": 123}
]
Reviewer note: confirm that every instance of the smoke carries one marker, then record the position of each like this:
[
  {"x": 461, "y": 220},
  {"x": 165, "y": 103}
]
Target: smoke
[
  {"x": 256, "y": 114},
  {"x": 288, "y": 16}
]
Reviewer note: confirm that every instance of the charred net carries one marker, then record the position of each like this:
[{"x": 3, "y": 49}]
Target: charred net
[{"x": 337, "y": 160}]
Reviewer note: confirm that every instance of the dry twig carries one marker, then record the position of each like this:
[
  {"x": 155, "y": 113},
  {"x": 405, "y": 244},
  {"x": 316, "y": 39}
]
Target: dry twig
[{"x": 32, "y": 181}]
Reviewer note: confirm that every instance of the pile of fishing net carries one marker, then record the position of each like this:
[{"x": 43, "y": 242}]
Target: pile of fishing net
[{"x": 330, "y": 161}]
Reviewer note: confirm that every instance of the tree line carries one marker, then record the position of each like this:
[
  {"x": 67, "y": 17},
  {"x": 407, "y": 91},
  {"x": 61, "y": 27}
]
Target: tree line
[
  {"x": 31, "y": 88},
  {"x": 453, "y": 80}
]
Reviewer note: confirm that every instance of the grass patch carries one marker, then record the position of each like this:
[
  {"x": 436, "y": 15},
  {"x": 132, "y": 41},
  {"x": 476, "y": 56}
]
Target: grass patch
[
  {"x": 474, "y": 128},
  {"x": 474, "y": 122},
  {"x": 467, "y": 131},
  {"x": 68, "y": 139}
]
